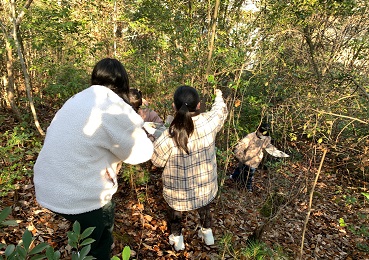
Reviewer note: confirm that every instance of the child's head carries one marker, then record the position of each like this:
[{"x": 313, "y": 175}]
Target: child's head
[
  {"x": 135, "y": 98},
  {"x": 112, "y": 74},
  {"x": 263, "y": 130},
  {"x": 186, "y": 103},
  {"x": 186, "y": 96}
]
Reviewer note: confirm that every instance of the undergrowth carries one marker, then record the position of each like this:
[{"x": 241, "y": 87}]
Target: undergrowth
[{"x": 18, "y": 152}]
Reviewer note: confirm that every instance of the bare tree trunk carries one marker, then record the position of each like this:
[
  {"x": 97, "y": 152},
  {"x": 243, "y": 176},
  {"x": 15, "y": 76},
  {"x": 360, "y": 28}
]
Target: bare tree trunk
[
  {"x": 310, "y": 43},
  {"x": 211, "y": 43},
  {"x": 10, "y": 97},
  {"x": 15, "y": 25}
]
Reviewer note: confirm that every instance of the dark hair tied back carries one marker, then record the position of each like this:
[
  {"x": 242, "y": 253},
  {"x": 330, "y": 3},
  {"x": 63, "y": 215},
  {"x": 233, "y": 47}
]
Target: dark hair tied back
[
  {"x": 184, "y": 108},
  {"x": 186, "y": 99}
]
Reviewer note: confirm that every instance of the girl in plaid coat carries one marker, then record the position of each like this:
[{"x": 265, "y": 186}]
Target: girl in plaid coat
[{"x": 187, "y": 152}]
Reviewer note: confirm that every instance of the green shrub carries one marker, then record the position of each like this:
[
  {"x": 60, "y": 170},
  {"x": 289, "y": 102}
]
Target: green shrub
[
  {"x": 136, "y": 174},
  {"x": 80, "y": 243},
  {"x": 253, "y": 250},
  {"x": 126, "y": 253},
  {"x": 67, "y": 82},
  {"x": 18, "y": 153},
  {"x": 360, "y": 230},
  {"x": 256, "y": 250},
  {"x": 22, "y": 250}
]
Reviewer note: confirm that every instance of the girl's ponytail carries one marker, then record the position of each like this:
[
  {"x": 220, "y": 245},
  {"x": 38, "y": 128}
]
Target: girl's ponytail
[{"x": 186, "y": 100}]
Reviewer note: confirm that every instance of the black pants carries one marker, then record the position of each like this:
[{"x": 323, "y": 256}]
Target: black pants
[
  {"x": 175, "y": 219},
  {"x": 103, "y": 221},
  {"x": 244, "y": 174}
]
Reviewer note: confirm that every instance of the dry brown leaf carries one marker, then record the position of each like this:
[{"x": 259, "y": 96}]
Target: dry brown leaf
[{"x": 237, "y": 103}]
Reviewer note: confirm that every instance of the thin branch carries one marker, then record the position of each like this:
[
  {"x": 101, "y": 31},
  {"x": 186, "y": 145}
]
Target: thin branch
[
  {"x": 359, "y": 86},
  {"x": 22, "y": 13},
  {"x": 338, "y": 115},
  {"x": 342, "y": 98},
  {"x": 3, "y": 29},
  {"x": 311, "y": 201},
  {"x": 343, "y": 128}
]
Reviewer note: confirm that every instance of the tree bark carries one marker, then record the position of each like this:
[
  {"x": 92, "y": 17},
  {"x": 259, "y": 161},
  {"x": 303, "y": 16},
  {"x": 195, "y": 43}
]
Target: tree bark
[
  {"x": 15, "y": 26},
  {"x": 212, "y": 38},
  {"x": 10, "y": 96},
  {"x": 310, "y": 43}
]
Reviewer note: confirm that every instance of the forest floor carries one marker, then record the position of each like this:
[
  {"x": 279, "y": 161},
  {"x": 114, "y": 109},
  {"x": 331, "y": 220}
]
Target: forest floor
[{"x": 140, "y": 219}]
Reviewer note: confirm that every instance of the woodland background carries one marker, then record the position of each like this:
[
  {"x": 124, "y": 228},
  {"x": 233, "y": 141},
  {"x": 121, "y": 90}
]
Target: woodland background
[{"x": 302, "y": 66}]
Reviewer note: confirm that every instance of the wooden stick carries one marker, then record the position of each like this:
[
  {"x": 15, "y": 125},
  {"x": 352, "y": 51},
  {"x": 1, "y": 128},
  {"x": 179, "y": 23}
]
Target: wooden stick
[{"x": 311, "y": 201}]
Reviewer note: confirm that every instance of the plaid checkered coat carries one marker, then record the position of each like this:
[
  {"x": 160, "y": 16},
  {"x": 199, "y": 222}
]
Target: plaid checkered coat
[{"x": 190, "y": 180}]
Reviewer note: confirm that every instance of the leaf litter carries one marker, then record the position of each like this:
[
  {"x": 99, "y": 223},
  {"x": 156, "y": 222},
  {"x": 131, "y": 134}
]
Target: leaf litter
[{"x": 141, "y": 223}]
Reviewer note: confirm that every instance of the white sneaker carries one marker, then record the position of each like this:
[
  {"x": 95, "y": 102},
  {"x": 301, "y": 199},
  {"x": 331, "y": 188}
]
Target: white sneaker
[
  {"x": 207, "y": 235},
  {"x": 177, "y": 241}
]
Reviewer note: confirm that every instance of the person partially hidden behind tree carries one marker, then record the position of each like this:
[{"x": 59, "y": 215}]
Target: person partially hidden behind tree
[
  {"x": 141, "y": 108},
  {"x": 153, "y": 125},
  {"x": 249, "y": 153}
]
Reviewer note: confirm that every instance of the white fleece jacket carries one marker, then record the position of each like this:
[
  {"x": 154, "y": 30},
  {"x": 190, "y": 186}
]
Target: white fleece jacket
[{"x": 75, "y": 171}]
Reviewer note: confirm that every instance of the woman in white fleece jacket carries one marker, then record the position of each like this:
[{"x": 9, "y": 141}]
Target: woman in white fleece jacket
[{"x": 75, "y": 174}]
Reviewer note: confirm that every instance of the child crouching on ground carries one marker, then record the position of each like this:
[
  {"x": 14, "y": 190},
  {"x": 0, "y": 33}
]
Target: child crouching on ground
[{"x": 187, "y": 152}]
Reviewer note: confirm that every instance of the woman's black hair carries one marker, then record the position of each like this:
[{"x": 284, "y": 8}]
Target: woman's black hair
[
  {"x": 111, "y": 74},
  {"x": 135, "y": 98},
  {"x": 186, "y": 99}
]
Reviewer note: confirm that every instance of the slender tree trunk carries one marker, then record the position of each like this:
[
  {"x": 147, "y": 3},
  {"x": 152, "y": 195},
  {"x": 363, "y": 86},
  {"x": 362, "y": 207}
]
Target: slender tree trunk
[
  {"x": 15, "y": 24},
  {"x": 310, "y": 43},
  {"x": 10, "y": 97},
  {"x": 212, "y": 38}
]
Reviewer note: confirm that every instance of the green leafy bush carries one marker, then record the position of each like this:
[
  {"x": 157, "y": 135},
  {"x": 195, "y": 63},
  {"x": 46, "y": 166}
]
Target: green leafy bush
[
  {"x": 18, "y": 152},
  {"x": 80, "y": 243},
  {"x": 136, "y": 174},
  {"x": 126, "y": 253},
  {"x": 23, "y": 249},
  {"x": 360, "y": 230},
  {"x": 253, "y": 250},
  {"x": 257, "y": 250},
  {"x": 67, "y": 82}
]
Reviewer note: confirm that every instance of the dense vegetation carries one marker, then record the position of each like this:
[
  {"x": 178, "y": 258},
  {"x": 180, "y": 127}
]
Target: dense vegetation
[{"x": 302, "y": 66}]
